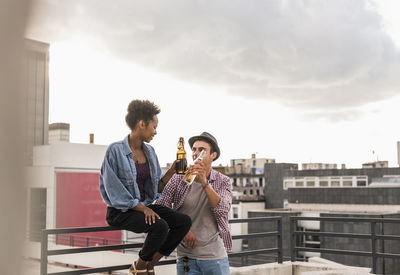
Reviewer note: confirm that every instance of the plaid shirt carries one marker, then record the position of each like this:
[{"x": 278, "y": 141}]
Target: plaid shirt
[{"x": 174, "y": 194}]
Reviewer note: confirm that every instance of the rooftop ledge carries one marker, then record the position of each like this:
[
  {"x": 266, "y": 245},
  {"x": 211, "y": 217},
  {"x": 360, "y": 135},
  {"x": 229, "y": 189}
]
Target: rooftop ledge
[{"x": 315, "y": 266}]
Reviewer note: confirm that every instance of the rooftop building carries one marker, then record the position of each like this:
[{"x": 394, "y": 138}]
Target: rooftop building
[
  {"x": 58, "y": 132},
  {"x": 376, "y": 164},
  {"x": 316, "y": 166}
]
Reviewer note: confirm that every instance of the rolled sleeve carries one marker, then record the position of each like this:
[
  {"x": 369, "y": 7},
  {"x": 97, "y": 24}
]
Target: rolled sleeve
[{"x": 224, "y": 205}]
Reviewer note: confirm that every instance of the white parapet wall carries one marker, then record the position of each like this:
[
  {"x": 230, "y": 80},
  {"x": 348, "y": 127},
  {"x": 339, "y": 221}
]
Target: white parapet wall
[
  {"x": 264, "y": 269},
  {"x": 316, "y": 266}
]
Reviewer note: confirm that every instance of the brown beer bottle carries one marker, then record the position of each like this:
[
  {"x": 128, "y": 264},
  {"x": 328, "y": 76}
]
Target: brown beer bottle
[{"x": 181, "y": 166}]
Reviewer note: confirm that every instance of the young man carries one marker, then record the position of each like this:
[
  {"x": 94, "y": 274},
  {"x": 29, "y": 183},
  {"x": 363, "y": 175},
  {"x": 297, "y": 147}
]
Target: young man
[{"x": 207, "y": 201}]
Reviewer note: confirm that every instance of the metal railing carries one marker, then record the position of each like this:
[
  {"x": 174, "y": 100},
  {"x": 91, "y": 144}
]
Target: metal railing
[
  {"x": 45, "y": 252},
  {"x": 372, "y": 236}
]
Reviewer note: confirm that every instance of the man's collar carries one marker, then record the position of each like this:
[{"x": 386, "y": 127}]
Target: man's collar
[{"x": 213, "y": 175}]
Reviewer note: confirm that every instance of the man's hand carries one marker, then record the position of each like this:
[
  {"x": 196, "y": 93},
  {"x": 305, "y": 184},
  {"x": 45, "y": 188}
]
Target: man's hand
[
  {"x": 199, "y": 169},
  {"x": 190, "y": 240}
]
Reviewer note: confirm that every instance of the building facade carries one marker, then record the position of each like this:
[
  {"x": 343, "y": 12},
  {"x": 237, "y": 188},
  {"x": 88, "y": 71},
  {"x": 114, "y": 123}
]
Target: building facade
[
  {"x": 247, "y": 178},
  {"x": 63, "y": 188},
  {"x": 279, "y": 177},
  {"x": 364, "y": 192},
  {"x": 36, "y": 96}
]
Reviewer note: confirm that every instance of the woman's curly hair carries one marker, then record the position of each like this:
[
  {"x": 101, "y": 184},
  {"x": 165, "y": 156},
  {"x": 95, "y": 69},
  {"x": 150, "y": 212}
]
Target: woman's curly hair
[{"x": 140, "y": 110}]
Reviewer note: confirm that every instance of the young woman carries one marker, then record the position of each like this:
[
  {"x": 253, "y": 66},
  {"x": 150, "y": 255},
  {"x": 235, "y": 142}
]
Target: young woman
[{"x": 130, "y": 180}]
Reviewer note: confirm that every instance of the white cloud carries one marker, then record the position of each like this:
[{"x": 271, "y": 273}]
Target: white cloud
[{"x": 332, "y": 56}]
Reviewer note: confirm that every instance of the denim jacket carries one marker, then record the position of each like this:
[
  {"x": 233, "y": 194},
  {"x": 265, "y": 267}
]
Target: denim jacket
[{"x": 118, "y": 185}]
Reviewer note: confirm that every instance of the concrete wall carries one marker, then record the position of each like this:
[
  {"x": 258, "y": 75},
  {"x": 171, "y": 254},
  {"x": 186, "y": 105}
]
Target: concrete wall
[
  {"x": 274, "y": 193},
  {"x": 69, "y": 155}
]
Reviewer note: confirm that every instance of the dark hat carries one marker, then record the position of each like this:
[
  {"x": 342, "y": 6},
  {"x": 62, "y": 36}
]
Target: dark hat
[{"x": 207, "y": 137}]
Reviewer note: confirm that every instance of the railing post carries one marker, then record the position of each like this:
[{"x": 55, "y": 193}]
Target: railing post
[
  {"x": 43, "y": 253},
  {"x": 293, "y": 223},
  {"x": 280, "y": 240},
  {"x": 373, "y": 244}
]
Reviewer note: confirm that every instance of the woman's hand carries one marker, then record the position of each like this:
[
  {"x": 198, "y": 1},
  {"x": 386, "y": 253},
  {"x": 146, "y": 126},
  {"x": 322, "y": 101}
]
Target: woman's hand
[
  {"x": 171, "y": 170},
  {"x": 150, "y": 216}
]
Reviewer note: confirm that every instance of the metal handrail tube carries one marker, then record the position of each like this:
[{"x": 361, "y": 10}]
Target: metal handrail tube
[
  {"x": 255, "y": 235},
  {"x": 388, "y": 237},
  {"x": 253, "y": 252},
  {"x": 92, "y": 249},
  {"x": 261, "y": 219},
  {"x": 81, "y": 229},
  {"x": 332, "y": 234},
  {"x": 388, "y": 255},
  {"x": 334, "y": 251},
  {"x": 349, "y": 219}
]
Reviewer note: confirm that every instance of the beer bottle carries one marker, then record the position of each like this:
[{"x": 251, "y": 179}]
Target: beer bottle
[{"x": 181, "y": 166}]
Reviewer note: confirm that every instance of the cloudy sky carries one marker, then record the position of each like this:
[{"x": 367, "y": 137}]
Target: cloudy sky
[{"x": 298, "y": 81}]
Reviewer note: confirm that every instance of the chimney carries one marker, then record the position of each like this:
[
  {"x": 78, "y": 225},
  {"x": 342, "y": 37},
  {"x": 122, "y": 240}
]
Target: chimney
[
  {"x": 343, "y": 166},
  {"x": 91, "y": 138}
]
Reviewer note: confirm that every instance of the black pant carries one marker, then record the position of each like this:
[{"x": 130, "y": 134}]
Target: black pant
[{"x": 163, "y": 236}]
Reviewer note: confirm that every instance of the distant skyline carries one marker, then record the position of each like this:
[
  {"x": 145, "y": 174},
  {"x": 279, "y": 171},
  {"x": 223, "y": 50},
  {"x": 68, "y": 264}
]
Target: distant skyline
[{"x": 298, "y": 81}]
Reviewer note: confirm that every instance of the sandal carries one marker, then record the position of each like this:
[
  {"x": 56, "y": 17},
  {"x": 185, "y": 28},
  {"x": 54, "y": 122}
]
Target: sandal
[
  {"x": 134, "y": 271},
  {"x": 151, "y": 271}
]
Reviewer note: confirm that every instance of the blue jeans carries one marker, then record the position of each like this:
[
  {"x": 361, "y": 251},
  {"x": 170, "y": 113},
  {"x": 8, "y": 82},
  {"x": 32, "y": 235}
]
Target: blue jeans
[{"x": 203, "y": 267}]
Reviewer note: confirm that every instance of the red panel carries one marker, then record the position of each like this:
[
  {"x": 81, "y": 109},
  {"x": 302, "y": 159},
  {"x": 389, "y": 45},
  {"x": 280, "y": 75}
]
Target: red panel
[{"x": 79, "y": 204}]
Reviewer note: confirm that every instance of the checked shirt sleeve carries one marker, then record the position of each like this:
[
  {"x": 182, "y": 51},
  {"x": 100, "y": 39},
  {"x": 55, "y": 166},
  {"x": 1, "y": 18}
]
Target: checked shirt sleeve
[
  {"x": 224, "y": 189},
  {"x": 221, "y": 212},
  {"x": 167, "y": 196}
]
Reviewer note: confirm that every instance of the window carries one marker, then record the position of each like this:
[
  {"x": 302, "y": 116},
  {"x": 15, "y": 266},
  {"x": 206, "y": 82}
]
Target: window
[
  {"x": 235, "y": 213},
  {"x": 251, "y": 191},
  {"x": 258, "y": 192},
  {"x": 260, "y": 180},
  {"x": 244, "y": 192},
  {"x": 310, "y": 183},
  {"x": 254, "y": 163},
  {"x": 234, "y": 182},
  {"x": 335, "y": 181},
  {"x": 288, "y": 184},
  {"x": 347, "y": 183},
  {"x": 323, "y": 183},
  {"x": 361, "y": 183},
  {"x": 299, "y": 183}
]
